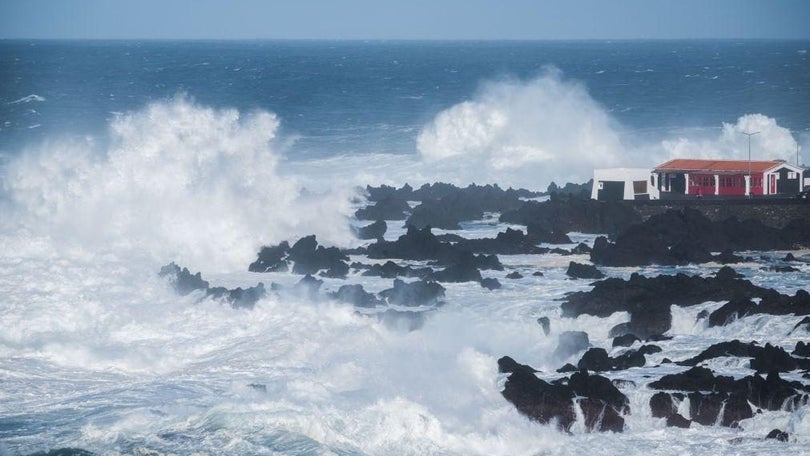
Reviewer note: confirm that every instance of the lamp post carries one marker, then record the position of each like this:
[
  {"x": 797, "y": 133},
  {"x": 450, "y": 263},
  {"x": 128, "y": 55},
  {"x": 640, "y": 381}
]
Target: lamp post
[{"x": 749, "y": 158}]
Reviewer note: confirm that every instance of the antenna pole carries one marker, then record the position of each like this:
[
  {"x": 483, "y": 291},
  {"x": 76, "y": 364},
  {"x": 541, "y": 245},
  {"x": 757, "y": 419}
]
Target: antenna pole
[{"x": 749, "y": 159}]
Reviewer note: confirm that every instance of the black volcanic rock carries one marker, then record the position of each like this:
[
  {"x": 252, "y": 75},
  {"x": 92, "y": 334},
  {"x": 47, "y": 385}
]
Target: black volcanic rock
[
  {"x": 779, "y": 435},
  {"x": 182, "y": 280},
  {"x": 772, "y": 303},
  {"x": 308, "y": 258},
  {"x": 802, "y": 349},
  {"x": 374, "y": 230},
  {"x": 677, "y": 420},
  {"x": 687, "y": 236},
  {"x": 563, "y": 215},
  {"x": 509, "y": 242},
  {"x": 490, "y": 283},
  {"x": 583, "y": 271},
  {"x": 601, "y": 403},
  {"x": 356, "y": 295},
  {"x": 458, "y": 205},
  {"x": 648, "y": 299},
  {"x": 391, "y": 270},
  {"x": 461, "y": 272},
  {"x": 597, "y": 359},
  {"x": 625, "y": 340},
  {"x": 709, "y": 395},
  {"x": 271, "y": 259},
  {"x": 185, "y": 283},
  {"x": 419, "y": 293},
  {"x": 538, "y": 233},
  {"x": 767, "y": 358},
  {"x": 388, "y": 208},
  {"x": 514, "y": 275},
  {"x": 308, "y": 286}
]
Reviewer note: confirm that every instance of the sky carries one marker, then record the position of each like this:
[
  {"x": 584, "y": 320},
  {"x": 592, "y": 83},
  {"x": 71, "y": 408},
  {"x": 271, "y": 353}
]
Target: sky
[{"x": 405, "y": 19}]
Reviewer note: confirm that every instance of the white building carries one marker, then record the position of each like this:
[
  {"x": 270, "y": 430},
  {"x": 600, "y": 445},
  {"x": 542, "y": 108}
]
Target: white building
[{"x": 624, "y": 184}]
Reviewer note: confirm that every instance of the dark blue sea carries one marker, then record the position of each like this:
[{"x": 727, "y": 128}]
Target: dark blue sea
[{"x": 118, "y": 157}]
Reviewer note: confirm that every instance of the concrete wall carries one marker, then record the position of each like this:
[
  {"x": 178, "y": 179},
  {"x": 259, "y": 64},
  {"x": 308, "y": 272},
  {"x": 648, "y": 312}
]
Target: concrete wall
[{"x": 772, "y": 212}]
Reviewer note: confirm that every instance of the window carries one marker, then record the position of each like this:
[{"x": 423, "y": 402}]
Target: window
[
  {"x": 601, "y": 185},
  {"x": 791, "y": 175},
  {"x": 639, "y": 187}
]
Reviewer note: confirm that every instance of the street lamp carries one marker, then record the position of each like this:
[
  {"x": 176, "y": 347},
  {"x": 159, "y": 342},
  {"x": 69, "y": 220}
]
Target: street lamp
[{"x": 749, "y": 158}]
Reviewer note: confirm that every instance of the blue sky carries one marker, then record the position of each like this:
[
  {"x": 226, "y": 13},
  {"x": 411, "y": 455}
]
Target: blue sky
[{"x": 406, "y": 19}]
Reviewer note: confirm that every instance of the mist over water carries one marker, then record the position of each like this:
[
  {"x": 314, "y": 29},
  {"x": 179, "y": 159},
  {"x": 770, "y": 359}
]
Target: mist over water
[{"x": 98, "y": 352}]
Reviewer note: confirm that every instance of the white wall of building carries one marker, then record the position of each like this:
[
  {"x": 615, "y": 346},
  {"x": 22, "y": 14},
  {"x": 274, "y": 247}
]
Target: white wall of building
[{"x": 626, "y": 175}]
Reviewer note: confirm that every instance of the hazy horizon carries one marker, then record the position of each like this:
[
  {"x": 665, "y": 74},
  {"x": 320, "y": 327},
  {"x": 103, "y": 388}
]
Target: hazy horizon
[{"x": 419, "y": 20}]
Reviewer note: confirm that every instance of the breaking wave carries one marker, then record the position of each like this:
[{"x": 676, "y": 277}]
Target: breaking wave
[{"x": 178, "y": 180}]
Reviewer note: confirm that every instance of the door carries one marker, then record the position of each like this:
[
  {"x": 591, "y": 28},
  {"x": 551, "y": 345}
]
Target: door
[{"x": 610, "y": 191}]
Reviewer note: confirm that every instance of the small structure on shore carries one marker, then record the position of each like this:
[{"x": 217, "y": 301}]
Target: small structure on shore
[
  {"x": 615, "y": 184},
  {"x": 727, "y": 177}
]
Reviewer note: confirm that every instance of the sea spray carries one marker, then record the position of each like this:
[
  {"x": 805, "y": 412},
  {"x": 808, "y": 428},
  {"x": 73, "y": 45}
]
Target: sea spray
[{"x": 178, "y": 180}]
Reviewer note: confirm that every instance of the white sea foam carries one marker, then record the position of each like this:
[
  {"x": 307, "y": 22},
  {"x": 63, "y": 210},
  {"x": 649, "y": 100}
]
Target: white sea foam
[
  {"x": 27, "y": 99},
  {"x": 178, "y": 180}
]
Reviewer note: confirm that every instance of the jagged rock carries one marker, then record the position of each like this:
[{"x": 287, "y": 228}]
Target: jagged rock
[
  {"x": 419, "y": 293},
  {"x": 571, "y": 342},
  {"x": 597, "y": 359},
  {"x": 375, "y": 230},
  {"x": 538, "y": 274},
  {"x": 388, "y": 208},
  {"x": 763, "y": 359},
  {"x": 677, "y": 420},
  {"x": 309, "y": 258},
  {"x": 779, "y": 435},
  {"x": 185, "y": 283},
  {"x": 600, "y": 401},
  {"x": 182, "y": 280},
  {"x": 649, "y": 349},
  {"x": 708, "y": 395},
  {"x": 458, "y": 205},
  {"x": 490, "y": 283},
  {"x": 514, "y": 275},
  {"x": 541, "y": 234},
  {"x": 772, "y": 303},
  {"x": 564, "y": 215},
  {"x": 728, "y": 257},
  {"x": 662, "y": 405},
  {"x": 461, "y": 272},
  {"x": 309, "y": 286},
  {"x": 509, "y": 242},
  {"x": 686, "y": 236},
  {"x": 625, "y": 340},
  {"x": 777, "y": 268},
  {"x": 727, "y": 273},
  {"x": 581, "y": 249},
  {"x": 356, "y": 295},
  {"x": 507, "y": 365},
  {"x": 583, "y": 271},
  {"x": 240, "y": 298},
  {"x": 544, "y": 323},
  {"x": 802, "y": 349},
  {"x": 391, "y": 270},
  {"x": 271, "y": 259},
  {"x": 791, "y": 258},
  {"x": 648, "y": 299},
  {"x": 567, "y": 367}
]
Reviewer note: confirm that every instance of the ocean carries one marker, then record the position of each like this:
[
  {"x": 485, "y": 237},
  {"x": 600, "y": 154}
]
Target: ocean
[{"x": 118, "y": 157}]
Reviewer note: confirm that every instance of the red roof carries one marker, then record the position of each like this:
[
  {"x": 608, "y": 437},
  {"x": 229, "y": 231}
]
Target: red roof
[{"x": 718, "y": 166}]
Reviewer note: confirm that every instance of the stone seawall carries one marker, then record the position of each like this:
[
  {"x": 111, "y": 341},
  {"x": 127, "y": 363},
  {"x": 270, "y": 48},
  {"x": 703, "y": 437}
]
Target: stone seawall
[{"x": 772, "y": 212}]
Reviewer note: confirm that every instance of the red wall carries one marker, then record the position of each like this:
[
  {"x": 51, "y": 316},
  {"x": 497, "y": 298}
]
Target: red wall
[{"x": 729, "y": 184}]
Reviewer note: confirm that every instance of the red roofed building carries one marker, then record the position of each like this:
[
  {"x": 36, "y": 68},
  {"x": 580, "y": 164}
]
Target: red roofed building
[{"x": 727, "y": 177}]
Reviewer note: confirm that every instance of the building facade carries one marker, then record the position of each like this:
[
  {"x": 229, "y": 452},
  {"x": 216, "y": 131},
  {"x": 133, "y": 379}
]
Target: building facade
[{"x": 727, "y": 177}]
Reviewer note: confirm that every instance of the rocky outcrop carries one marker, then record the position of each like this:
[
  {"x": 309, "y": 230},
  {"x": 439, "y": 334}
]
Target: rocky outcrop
[
  {"x": 772, "y": 303},
  {"x": 648, "y": 299},
  {"x": 374, "y": 230},
  {"x": 601, "y": 403},
  {"x": 709, "y": 395},
  {"x": 185, "y": 283},
  {"x": 458, "y": 205},
  {"x": 388, "y": 208},
  {"x": 767, "y": 358},
  {"x": 356, "y": 295},
  {"x": 687, "y": 236},
  {"x": 597, "y": 360},
  {"x": 563, "y": 215},
  {"x": 307, "y": 257},
  {"x": 271, "y": 259},
  {"x": 583, "y": 271},
  {"x": 419, "y": 293}
]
